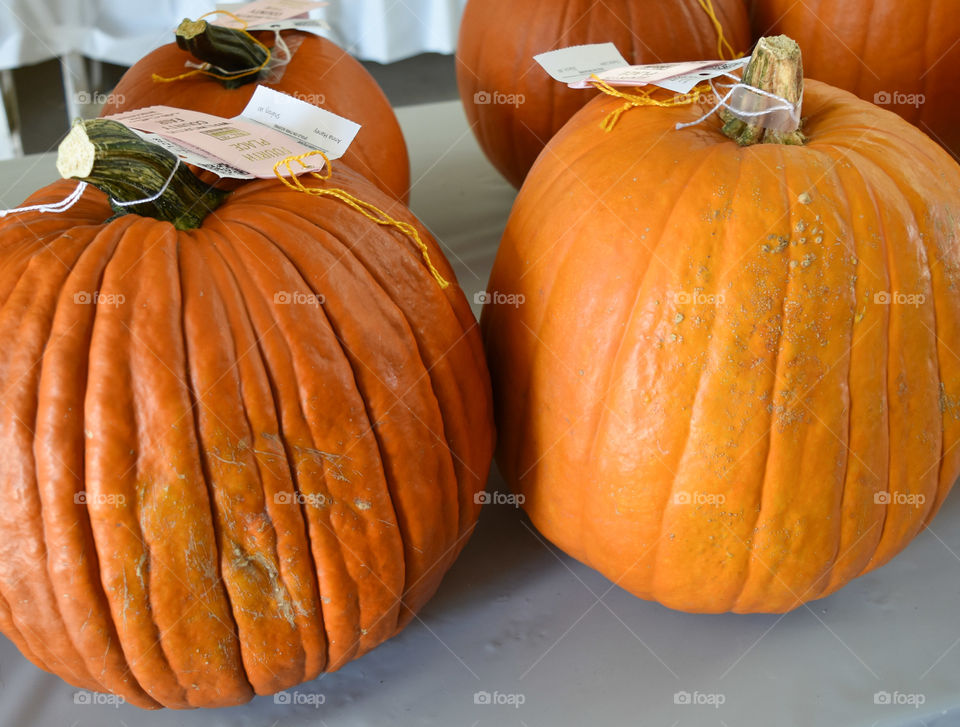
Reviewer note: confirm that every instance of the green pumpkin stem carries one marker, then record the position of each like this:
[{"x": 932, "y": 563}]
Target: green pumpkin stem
[
  {"x": 776, "y": 67},
  {"x": 126, "y": 168},
  {"x": 228, "y": 49}
]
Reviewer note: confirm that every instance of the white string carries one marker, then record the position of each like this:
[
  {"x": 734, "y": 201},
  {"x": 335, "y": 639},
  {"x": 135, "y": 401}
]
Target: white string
[
  {"x": 55, "y": 207},
  {"x": 793, "y": 109},
  {"x": 153, "y": 197}
]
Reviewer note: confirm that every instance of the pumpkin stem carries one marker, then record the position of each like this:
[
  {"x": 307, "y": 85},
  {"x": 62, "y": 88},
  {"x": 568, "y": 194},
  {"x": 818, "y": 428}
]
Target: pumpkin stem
[
  {"x": 126, "y": 168},
  {"x": 776, "y": 67},
  {"x": 229, "y": 49}
]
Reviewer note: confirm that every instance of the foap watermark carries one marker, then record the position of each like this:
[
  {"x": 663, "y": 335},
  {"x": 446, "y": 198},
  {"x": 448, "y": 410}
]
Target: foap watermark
[
  {"x": 685, "y": 497},
  {"x": 96, "y": 98},
  {"x": 314, "y": 499},
  {"x": 697, "y": 297},
  {"x": 499, "y": 498},
  {"x": 294, "y": 697},
  {"x": 898, "y": 298},
  {"x": 898, "y": 98},
  {"x": 907, "y": 699},
  {"x": 98, "y": 699},
  {"x": 297, "y": 297},
  {"x": 700, "y": 699},
  {"x": 495, "y": 98},
  {"x": 913, "y": 499},
  {"x": 115, "y": 499},
  {"x": 495, "y": 297},
  {"x": 95, "y": 297},
  {"x": 316, "y": 99},
  {"x": 508, "y": 699}
]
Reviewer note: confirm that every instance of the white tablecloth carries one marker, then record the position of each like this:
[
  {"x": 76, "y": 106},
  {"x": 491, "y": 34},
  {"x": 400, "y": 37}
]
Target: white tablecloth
[
  {"x": 122, "y": 31},
  {"x": 516, "y": 617}
]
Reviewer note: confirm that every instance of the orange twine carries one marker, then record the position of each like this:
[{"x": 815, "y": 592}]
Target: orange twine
[
  {"x": 365, "y": 208},
  {"x": 225, "y": 76}
]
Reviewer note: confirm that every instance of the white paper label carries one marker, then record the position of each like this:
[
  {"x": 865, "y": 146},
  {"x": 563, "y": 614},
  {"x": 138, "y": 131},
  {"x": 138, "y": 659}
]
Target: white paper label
[
  {"x": 307, "y": 25},
  {"x": 244, "y": 145},
  {"x": 676, "y": 77},
  {"x": 311, "y": 126},
  {"x": 264, "y": 11},
  {"x": 578, "y": 62}
]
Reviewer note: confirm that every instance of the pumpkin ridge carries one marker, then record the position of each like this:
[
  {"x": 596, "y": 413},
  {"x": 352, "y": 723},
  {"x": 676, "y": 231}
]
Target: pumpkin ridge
[
  {"x": 828, "y": 580},
  {"x": 928, "y": 249},
  {"x": 305, "y": 595},
  {"x": 25, "y": 318},
  {"x": 172, "y": 610},
  {"x": 93, "y": 597},
  {"x": 312, "y": 670},
  {"x": 333, "y": 532},
  {"x": 223, "y": 392},
  {"x": 392, "y": 483}
]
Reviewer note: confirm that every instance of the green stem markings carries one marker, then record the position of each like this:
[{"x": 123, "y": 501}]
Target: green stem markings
[
  {"x": 229, "y": 49},
  {"x": 123, "y": 166},
  {"x": 777, "y": 67}
]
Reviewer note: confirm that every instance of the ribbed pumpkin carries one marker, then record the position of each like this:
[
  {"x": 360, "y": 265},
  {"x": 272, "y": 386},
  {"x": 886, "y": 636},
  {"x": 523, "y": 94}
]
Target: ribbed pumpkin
[
  {"x": 725, "y": 376},
  {"x": 886, "y": 51},
  {"x": 320, "y": 72},
  {"x": 236, "y": 455},
  {"x": 499, "y": 38}
]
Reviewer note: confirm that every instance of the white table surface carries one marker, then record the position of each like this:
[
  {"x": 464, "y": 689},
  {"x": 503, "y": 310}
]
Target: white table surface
[{"x": 517, "y": 617}]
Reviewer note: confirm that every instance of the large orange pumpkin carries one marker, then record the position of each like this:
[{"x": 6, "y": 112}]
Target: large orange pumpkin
[
  {"x": 319, "y": 72},
  {"x": 904, "y": 56},
  {"x": 725, "y": 376},
  {"x": 235, "y": 455},
  {"x": 514, "y": 107}
]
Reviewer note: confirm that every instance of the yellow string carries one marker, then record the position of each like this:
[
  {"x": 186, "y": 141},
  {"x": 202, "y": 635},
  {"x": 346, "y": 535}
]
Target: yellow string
[
  {"x": 645, "y": 97},
  {"x": 224, "y": 76},
  {"x": 365, "y": 208},
  {"x": 722, "y": 43}
]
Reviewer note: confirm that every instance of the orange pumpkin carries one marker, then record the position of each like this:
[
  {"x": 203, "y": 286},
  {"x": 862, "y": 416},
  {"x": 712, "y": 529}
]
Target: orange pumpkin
[
  {"x": 725, "y": 376},
  {"x": 903, "y": 56},
  {"x": 240, "y": 449},
  {"x": 319, "y": 72},
  {"x": 514, "y": 107}
]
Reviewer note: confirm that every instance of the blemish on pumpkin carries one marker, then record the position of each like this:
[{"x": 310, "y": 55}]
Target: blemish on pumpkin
[
  {"x": 362, "y": 504},
  {"x": 804, "y": 198}
]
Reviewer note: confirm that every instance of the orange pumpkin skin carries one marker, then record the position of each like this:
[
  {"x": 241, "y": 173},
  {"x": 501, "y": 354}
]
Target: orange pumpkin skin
[
  {"x": 274, "y": 483},
  {"x": 320, "y": 72},
  {"x": 499, "y": 38},
  {"x": 885, "y": 51},
  {"x": 700, "y": 393}
]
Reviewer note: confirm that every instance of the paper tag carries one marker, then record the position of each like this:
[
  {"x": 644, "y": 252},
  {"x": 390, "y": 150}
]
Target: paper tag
[
  {"x": 307, "y": 25},
  {"x": 248, "y": 146},
  {"x": 264, "y": 11},
  {"x": 578, "y": 62},
  {"x": 189, "y": 155},
  {"x": 676, "y": 77},
  {"x": 311, "y": 126}
]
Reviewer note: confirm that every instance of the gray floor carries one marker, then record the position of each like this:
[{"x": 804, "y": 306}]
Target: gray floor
[{"x": 420, "y": 79}]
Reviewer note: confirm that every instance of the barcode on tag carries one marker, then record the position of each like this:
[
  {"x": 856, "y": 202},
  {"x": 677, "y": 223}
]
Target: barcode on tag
[
  {"x": 189, "y": 155},
  {"x": 578, "y": 62},
  {"x": 245, "y": 145}
]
